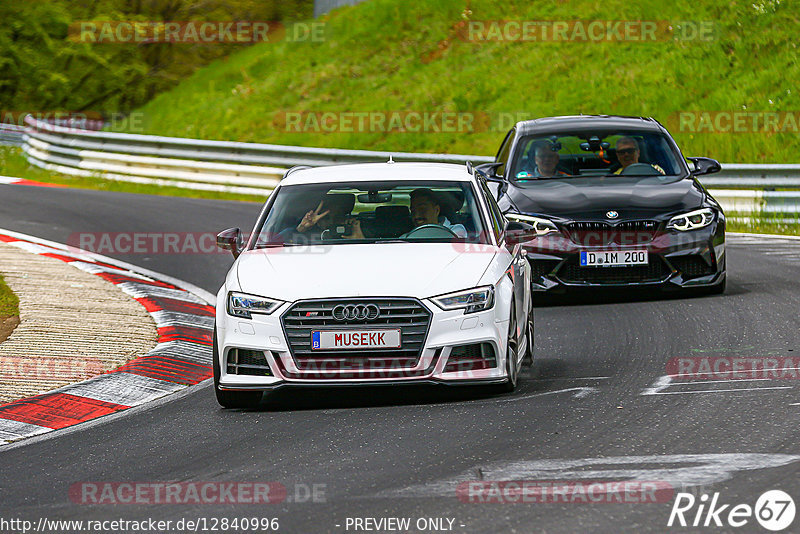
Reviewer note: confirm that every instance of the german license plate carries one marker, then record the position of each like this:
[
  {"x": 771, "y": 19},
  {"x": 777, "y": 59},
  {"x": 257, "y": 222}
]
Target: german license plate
[
  {"x": 355, "y": 339},
  {"x": 613, "y": 258}
]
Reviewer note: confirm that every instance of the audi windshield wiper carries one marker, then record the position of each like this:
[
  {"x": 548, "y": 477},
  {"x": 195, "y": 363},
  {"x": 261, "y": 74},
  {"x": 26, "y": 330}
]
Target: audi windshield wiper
[
  {"x": 398, "y": 240},
  {"x": 275, "y": 245}
]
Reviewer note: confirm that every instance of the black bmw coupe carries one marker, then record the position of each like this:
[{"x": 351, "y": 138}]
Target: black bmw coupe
[{"x": 614, "y": 203}]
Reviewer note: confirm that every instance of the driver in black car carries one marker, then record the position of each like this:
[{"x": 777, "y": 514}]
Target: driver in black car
[
  {"x": 428, "y": 208},
  {"x": 628, "y": 154}
]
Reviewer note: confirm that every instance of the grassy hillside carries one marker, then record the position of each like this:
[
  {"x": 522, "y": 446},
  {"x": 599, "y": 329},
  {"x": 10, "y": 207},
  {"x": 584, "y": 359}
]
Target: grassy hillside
[{"x": 416, "y": 55}]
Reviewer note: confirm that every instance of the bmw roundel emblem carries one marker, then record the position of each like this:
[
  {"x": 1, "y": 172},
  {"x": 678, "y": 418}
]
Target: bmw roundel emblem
[{"x": 612, "y": 214}]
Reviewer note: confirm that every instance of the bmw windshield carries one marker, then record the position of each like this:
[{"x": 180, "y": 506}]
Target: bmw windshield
[
  {"x": 594, "y": 154},
  {"x": 372, "y": 212}
]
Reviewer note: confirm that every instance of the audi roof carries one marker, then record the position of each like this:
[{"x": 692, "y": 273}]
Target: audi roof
[{"x": 366, "y": 172}]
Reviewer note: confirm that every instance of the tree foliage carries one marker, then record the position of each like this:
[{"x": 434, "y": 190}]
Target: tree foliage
[{"x": 43, "y": 69}]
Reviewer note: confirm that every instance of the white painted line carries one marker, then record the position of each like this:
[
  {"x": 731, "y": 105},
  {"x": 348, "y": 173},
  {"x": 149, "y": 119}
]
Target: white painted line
[
  {"x": 93, "y": 268},
  {"x": 9, "y": 180},
  {"x": 718, "y": 390},
  {"x": 743, "y": 371},
  {"x": 569, "y": 378},
  {"x": 11, "y": 430},
  {"x": 171, "y": 318},
  {"x": 123, "y": 388},
  {"x": 184, "y": 350},
  {"x": 33, "y": 247},
  {"x": 139, "y": 291},
  {"x": 795, "y": 404},
  {"x": 662, "y": 382},
  {"x": 581, "y": 392},
  {"x": 720, "y": 381}
]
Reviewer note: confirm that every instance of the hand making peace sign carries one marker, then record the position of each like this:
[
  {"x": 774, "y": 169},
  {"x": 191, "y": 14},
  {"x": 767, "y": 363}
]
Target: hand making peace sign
[{"x": 311, "y": 218}]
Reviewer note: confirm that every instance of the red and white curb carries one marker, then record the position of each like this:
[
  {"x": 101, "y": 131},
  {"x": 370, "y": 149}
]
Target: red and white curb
[
  {"x": 184, "y": 317},
  {"x": 10, "y": 180}
]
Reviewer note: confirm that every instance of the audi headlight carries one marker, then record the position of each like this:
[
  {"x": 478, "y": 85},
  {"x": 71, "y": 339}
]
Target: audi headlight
[
  {"x": 242, "y": 305},
  {"x": 692, "y": 220},
  {"x": 540, "y": 225},
  {"x": 469, "y": 300}
]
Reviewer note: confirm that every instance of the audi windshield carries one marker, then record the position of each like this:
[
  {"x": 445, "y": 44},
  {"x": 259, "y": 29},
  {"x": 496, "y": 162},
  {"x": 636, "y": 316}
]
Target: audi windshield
[{"x": 372, "y": 212}]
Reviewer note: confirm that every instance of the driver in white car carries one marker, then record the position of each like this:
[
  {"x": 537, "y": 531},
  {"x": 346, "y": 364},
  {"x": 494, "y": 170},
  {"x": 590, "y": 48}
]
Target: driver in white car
[{"x": 427, "y": 208}]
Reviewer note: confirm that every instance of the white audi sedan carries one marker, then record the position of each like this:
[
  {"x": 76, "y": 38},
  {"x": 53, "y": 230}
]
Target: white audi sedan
[{"x": 374, "y": 274}]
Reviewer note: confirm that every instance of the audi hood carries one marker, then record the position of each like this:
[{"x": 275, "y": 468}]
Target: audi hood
[
  {"x": 594, "y": 196},
  {"x": 418, "y": 270}
]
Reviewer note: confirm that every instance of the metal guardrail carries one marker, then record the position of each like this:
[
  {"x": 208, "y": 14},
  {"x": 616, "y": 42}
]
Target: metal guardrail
[
  {"x": 11, "y": 134},
  {"x": 255, "y": 168}
]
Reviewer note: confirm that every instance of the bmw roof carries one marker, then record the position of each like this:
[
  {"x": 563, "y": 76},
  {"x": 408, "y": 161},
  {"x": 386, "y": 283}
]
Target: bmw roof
[{"x": 573, "y": 123}]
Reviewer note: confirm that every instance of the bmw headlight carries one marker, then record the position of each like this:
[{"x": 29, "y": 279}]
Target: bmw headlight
[
  {"x": 540, "y": 225},
  {"x": 692, "y": 220},
  {"x": 242, "y": 305},
  {"x": 469, "y": 300}
]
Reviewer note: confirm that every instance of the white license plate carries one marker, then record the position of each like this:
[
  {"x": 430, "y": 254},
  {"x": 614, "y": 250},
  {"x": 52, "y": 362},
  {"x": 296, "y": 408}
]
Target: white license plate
[
  {"x": 613, "y": 258},
  {"x": 355, "y": 339}
]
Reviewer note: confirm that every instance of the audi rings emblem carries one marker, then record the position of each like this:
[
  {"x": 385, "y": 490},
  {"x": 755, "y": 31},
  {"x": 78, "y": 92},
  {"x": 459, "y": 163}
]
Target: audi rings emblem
[{"x": 356, "y": 312}]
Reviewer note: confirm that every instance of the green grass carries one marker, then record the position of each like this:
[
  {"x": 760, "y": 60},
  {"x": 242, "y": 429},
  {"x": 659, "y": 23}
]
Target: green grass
[
  {"x": 9, "y": 304},
  {"x": 385, "y": 55},
  {"x": 14, "y": 164},
  {"x": 763, "y": 223}
]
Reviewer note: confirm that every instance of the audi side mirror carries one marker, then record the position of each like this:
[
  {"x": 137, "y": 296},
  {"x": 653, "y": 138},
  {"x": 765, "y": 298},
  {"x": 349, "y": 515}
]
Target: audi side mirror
[
  {"x": 519, "y": 232},
  {"x": 231, "y": 239},
  {"x": 704, "y": 166},
  {"x": 489, "y": 170}
]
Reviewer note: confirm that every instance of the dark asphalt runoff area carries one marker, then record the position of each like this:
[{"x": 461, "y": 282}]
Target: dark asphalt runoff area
[{"x": 595, "y": 408}]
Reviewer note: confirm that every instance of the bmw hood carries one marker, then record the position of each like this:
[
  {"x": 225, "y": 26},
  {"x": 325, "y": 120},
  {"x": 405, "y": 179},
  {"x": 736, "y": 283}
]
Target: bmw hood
[
  {"x": 418, "y": 270},
  {"x": 592, "y": 197}
]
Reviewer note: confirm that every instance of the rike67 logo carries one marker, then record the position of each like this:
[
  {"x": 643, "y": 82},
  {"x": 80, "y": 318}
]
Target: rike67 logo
[{"x": 774, "y": 510}]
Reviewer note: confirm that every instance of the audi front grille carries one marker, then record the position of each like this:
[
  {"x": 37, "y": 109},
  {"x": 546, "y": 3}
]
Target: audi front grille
[{"x": 408, "y": 315}]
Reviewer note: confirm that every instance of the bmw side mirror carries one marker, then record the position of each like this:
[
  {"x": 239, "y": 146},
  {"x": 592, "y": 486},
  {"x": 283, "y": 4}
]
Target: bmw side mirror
[
  {"x": 231, "y": 239},
  {"x": 704, "y": 166},
  {"x": 519, "y": 232}
]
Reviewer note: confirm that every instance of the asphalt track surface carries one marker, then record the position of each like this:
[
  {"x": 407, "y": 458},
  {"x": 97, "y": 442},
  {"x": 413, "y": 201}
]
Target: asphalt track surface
[{"x": 595, "y": 397}]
